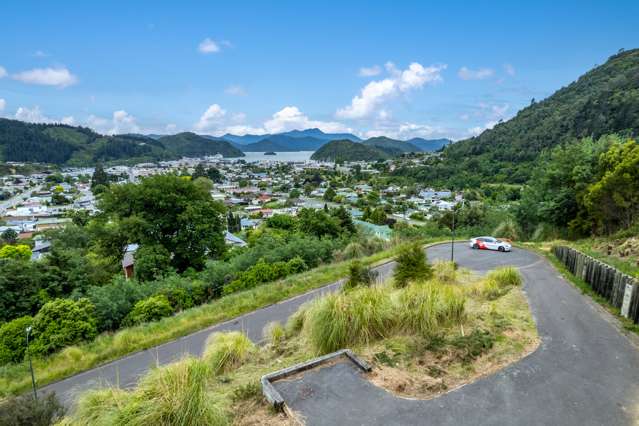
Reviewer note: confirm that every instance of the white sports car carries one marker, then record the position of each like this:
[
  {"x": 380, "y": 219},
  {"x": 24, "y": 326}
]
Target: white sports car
[{"x": 489, "y": 243}]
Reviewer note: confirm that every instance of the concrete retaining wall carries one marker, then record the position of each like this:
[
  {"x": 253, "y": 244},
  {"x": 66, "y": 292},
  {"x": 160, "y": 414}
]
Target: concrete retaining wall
[{"x": 620, "y": 289}]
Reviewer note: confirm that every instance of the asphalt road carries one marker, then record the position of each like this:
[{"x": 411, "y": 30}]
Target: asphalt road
[
  {"x": 585, "y": 372},
  {"x": 125, "y": 372}
]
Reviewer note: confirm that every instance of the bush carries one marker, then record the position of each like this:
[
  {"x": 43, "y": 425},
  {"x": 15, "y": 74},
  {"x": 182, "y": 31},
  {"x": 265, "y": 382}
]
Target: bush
[
  {"x": 507, "y": 229},
  {"x": 62, "y": 322},
  {"x": 152, "y": 262},
  {"x": 227, "y": 351},
  {"x": 115, "y": 300},
  {"x": 151, "y": 309},
  {"x": 296, "y": 265},
  {"x": 18, "y": 252},
  {"x": 425, "y": 308},
  {"x": 13, "y": 340},
  {"x": 359, "y": 276},
  {"x": 27, "y": 411},
  {"x": 340, "y": 320},
  {"x": 411, "y": 265}
]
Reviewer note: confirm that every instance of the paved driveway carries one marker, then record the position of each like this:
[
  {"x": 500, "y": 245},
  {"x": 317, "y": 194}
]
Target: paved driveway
[{"x": 584, "y": 372}]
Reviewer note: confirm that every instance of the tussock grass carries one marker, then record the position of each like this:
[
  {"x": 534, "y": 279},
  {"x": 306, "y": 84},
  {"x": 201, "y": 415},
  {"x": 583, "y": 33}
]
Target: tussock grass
[
  {"x": 274, "y": 334},
  {"x": 497, "y": 283},
  {"x": 507, "y": 276},
  {"x": 445, "y": 271},
  {"x": 340, "y": 320},
  {"x": 425, "y": 308},
  {"x": 226, "y": 351},
  {"x": 174, "y": 395}
]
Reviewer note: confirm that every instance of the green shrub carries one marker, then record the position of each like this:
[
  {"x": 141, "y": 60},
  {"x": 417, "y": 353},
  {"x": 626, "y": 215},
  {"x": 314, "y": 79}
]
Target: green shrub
[
  {"x": 226, "y": 351},
  {"x": 474, "y": 344},
  {"x": 179, "y": 298},
  {"x": 411, "y": 265},
  {"x": 248, "y": 391},
  {"x": 507, "y": 229},
  {"x": 359, "y": 276},
  {"x": 27, "y": 411},
  {"x": 296, "y": 265},
  {"x": 115, "y": 300},
  {"x": 425, "y": 308},
  {"x": 13, "y": 340},
  {"x": 338, "y": 321},
  {"x": 152, "y": 262},
  {"x": 62, "y": 322},
  {"x": 151, "y": 309}
]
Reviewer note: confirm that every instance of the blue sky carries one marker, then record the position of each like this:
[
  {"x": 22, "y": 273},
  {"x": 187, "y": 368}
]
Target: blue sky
[{"x": 402, "y": 69}]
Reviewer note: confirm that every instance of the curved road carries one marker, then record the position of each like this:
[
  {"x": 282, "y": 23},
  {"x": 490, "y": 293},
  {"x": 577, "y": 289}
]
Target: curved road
[{"x": 584, "y": 372}]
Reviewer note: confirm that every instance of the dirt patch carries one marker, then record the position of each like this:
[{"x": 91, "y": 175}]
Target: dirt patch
[{"x": 260, "y": 413}]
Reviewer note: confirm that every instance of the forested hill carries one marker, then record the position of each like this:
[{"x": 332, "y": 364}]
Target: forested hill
[
  {"x": 346, "y": 150},
  {"x": 604, "y": 100},
  {"x": 62, "y": 144}
]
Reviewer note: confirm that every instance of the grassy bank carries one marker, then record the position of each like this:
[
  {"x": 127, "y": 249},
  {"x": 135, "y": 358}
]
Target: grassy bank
[
  {"x": 584, "y": 287},
  {"x": 15, "y": 378},
  {"x": 421, "y": 339}
]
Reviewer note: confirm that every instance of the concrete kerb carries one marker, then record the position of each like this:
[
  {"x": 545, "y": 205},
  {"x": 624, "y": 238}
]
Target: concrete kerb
[{"x": 273, "y": 396}]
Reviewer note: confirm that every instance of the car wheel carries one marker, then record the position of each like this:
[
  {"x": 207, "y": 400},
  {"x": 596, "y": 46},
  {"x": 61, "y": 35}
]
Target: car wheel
[
  {"x": 501, "y": 248},
  {"x": 475, "y": 246}
]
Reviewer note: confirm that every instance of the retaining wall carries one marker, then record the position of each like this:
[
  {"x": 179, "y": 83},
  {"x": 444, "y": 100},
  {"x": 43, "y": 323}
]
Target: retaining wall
[{"x": 620, "y": 289}]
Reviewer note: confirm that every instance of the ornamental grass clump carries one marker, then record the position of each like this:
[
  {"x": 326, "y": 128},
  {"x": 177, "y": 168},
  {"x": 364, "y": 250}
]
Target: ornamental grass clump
[
  {"x": 275, "y": 334},
  {"x": 174, "y": 395},
  {"x": 341, "y": 320},
  {"x": 227, "y": 351},
  {"x": 426, "y": 308},
  {"x": 498, "y": 282}
]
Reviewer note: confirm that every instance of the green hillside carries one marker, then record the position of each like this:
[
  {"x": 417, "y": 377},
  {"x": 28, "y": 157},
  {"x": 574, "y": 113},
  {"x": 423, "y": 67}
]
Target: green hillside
[
  {"x": 391, "y": 146},
  {"x": 68, "y": 145},
  {"x": 346, "y": 150},
  {"x": 189, "y": 144},
  {"x": 604, "y": 100}
]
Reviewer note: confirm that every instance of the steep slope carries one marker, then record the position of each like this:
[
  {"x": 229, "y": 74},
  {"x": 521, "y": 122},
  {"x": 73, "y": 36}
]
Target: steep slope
[
  {"x": 602, "y": 101},
  {"x": 318, "y": 134},
  {"x": 189, "y": 144},
  {"x": 346, "y": 150}
]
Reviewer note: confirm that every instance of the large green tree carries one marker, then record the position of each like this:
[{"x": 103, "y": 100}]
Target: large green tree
[{"x": 169, "y": 211}]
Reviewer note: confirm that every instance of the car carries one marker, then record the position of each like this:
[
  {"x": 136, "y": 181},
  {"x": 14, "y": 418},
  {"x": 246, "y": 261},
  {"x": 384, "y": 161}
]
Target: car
[{"x": 489, "y": 243}]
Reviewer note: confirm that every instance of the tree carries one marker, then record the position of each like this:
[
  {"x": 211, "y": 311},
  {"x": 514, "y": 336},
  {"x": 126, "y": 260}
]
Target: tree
[
  {"x": 199, "y": 171},
  {"x": 318, "y": 223},
  {"x": 411, "y": 265},
  {"x": 22, "y": 285},
  {"x": 12, "y": 340},
  {"x": 62, "y": 322},
  {"x": 613, "y": 200},
  {"x": 294, "y": 194},
  {"x": 18, "y": 252},
  {"x": 165, "y": 210},
  {"x": 9, "y": 235},
  {"x": 151, "y": 262},
  {"x": 329, "y": 195},
  {"x": 344, "y": 218},
  {"x": 359, "y": 275},
  {"x": 99, "y": 177}
]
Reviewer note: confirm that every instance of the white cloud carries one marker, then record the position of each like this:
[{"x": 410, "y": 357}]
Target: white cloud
[
  {"x": 291, "y": 118},
  {"x": 32, "y": 115},
  {"x": 3, "y": 72},
  {"x": 171, "y": 128},
  {"x": 3, "y": 104},
  {"x": 211, "y": 119},
  {"x": 478, "y": 74},
  {"x": 207, "y": 46},
  {"x": 369, "y": 71},
  {"x": 120, "y": 122},
  {"x": 40, "y": 54},
  {"x": 235, "y": 90},
  {"x": 376, "y": 93},
  {"x": 69, "y": 120},
  {"x": 406, "y": 130},
  {"x": 216, "y": 121},
  {"x": 510, "y": 70},
  {"x": 474, "y": 131},
  {"x": 60, "y": 77}
]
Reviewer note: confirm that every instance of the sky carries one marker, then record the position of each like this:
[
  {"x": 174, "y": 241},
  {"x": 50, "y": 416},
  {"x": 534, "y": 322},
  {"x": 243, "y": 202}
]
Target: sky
[{"x": 401, "y": 69}]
